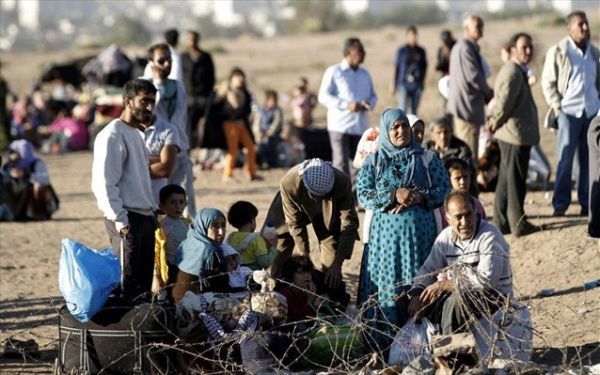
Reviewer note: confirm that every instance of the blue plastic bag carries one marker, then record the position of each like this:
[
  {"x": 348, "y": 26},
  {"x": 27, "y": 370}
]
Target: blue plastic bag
[{"x": 86, "y": 277}]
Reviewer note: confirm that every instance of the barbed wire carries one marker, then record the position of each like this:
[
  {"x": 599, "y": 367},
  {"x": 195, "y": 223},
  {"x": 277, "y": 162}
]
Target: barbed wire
[{"x": 201, "y": 354}]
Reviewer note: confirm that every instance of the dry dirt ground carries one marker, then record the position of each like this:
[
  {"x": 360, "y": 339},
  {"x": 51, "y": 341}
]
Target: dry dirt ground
[{"x": 566, "y": 325}]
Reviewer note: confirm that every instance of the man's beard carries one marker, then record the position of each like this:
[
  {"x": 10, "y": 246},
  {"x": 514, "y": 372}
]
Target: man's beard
[
  {"x": 164, "y": 73},
  {"x": 141, "y": 115}
]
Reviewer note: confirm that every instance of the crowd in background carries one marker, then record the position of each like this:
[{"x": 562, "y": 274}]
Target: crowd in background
[{"x": 422, "y": 214}]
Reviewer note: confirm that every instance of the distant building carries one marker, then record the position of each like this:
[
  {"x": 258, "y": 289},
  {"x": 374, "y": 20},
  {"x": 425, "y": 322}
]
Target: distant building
[{"x": 457, "y": 8}]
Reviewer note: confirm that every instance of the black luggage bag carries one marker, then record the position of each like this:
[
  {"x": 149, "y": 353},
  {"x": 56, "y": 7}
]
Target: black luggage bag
[{"x": 122, "y": 338}]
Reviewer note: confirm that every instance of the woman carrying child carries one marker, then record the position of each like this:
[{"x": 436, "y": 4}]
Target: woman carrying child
[{"x": 200, "y": 260}]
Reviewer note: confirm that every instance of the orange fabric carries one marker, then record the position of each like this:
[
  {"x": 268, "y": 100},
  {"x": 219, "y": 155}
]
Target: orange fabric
[{"x": 236, "y": 133}]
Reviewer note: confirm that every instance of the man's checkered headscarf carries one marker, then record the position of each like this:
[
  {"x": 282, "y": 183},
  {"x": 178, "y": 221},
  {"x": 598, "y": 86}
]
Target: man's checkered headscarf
[{"x": 318, "y": 176}]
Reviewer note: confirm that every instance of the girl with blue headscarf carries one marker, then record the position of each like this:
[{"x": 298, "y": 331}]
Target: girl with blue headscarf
[
  {"x": 200, "y": 259},
  {"x": 402, "y": 185}
]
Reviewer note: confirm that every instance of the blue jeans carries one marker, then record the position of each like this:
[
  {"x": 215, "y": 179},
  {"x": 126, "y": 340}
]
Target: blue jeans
[
  {"x": 572, "y": 137},
  {"x": 408, "y": 101},
  {"x": 267, "y": 151}
]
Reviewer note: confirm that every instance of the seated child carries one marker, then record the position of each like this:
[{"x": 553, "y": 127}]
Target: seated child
[
  {"x": 238, "y": 275},
  {"x": 172, "y": 231},
  {"x": 270, "y": 128},
  {"x": 299, "y": 288},
  {"x": 459, "y": 172},
  {"x": 255, "y": 252}
]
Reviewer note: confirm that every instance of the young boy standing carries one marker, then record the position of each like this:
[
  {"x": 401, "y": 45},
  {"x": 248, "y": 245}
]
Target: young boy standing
[
  {"x": 255, "y": 252},
  {"x": 459, "y": 172},
  {"x": 172, "y": 231},
  {"x": 270, "y": 128}
]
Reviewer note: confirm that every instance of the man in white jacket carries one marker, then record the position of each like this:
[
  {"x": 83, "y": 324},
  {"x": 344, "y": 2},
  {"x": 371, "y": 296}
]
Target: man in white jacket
[{"x": 121, "y": 184}]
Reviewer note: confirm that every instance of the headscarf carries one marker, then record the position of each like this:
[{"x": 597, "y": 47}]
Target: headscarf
[
  {"x": 388, "y": 154},
  {"x": 198, "y": 249},
  {"x": 412, "y": 120},
  {"x": 25, "y": 150},
  {"x": 318, "y": 176}
]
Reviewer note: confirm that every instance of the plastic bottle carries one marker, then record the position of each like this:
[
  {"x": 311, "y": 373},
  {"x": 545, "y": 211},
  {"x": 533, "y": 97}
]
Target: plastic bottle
[{"x": 269, "y": 233}]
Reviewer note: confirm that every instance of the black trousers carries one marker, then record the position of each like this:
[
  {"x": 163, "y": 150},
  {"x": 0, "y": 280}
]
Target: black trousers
[
  {"x": 454, "y": 311},
  {"x": 511, "y": 187},
  {"x": 594, "y": 167},
  {"x": 136, "y": 253},
  {"x": 343, "y": 149}
]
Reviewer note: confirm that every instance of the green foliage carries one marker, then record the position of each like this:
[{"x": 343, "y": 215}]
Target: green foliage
[{"x": 128, "y": 31}]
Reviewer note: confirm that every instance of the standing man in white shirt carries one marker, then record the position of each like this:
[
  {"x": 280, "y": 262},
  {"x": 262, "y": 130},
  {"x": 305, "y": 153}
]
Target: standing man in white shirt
[
  {"x": 121, "y": 184},
  {"x": 348, "y": 93},
  {"x": 571, "y": 86},
  {"x": 172, "y": 39},
  {"x": 171, "y": 105}
]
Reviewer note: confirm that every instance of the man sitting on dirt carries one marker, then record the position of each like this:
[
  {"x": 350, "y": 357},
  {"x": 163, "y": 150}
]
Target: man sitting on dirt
[
  {"x": 121, "y": 184},
  {"x": 470, "y": 260},
  {"x": 314, "y": 192}
]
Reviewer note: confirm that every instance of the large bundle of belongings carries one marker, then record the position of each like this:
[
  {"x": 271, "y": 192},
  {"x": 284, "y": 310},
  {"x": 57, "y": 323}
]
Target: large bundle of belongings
[
  {"x": 111, "y": 67},
  {"x": 100, "y": 332}
]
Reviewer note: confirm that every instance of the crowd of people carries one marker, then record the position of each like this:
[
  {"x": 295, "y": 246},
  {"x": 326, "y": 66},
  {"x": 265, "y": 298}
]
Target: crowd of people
[{"x": 424, "y": 228}]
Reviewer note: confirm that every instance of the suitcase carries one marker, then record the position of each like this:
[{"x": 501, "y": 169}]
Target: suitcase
[{"x": 118, "y": 340}]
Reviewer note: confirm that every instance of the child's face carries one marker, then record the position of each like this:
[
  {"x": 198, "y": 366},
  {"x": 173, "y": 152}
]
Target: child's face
[
  {"x": 270, "y": 102},
  {"x": 14, "y": 156},
  {"x": 441, "y": 135},
  {"x": 418, "y": 131},
  {"x": 174, "y": 205},
  {"x": 460, "y": 179},
  {"x": 217, "y": 230},
  {"x": 231, "y": 263},
  {"x": 302, "y": 279}
]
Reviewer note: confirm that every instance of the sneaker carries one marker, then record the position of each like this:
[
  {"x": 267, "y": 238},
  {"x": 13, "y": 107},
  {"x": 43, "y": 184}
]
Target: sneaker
[
  {"x": 558, "y": 213},
  {"x": 525, "y": 228}
]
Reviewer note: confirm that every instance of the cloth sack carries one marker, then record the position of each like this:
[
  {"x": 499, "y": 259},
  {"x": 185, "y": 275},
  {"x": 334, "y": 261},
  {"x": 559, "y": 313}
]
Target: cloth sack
[
  {"x": 511, "y": 332},
  {"x": 411, "y": 341},
  {"x": 366, "y": 145},
  {"x": 271, "y": 307},
  {"x": 86, "y": 277}
]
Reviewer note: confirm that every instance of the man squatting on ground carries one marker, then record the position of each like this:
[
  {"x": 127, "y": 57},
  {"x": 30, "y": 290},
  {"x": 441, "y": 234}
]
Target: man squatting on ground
[{"x": 476, "y": 257}]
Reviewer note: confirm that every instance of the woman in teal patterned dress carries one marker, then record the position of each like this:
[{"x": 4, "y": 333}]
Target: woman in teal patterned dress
[{"x": 402, "y": 185}]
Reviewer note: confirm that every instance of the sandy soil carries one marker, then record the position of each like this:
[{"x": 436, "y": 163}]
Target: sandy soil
[{"x": 562, "y": 257}]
